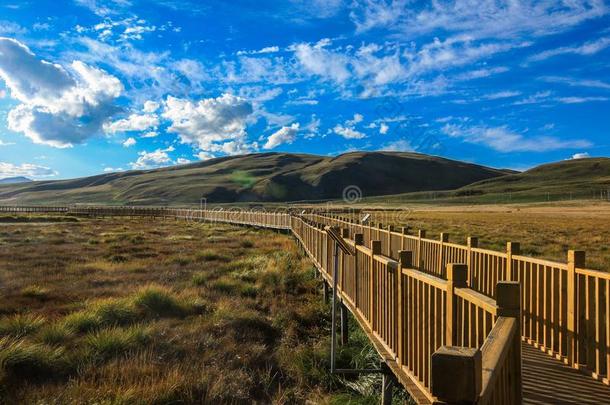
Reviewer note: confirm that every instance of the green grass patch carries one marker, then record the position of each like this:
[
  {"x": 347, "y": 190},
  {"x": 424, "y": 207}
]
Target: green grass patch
[
  {"x": 20, "y": 359},
  {"x": 35, "y": 291},
  {"x": 115, "y": 341},
  {"x": 19, "y": 325}
]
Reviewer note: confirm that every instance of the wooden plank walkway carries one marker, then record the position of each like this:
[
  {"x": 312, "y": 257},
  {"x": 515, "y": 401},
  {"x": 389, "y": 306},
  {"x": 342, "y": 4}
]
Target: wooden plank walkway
[{"x": 549, "y": 381}]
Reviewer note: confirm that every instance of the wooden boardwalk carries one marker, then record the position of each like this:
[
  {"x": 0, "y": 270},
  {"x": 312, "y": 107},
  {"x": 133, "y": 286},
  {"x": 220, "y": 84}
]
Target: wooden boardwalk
[{"x": 549, "y": 381}]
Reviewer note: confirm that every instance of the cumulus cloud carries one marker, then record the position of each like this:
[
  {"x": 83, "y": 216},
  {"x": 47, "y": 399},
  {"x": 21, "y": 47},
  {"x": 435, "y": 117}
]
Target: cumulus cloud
[
  {"x": 347, "y": 130},
  {"x": 323, "y": 63},
  {"x": 348, "y": 133},
  {"x": 151, "y": 160},
  {"x": 151, "y": 106},
  {"x": 216, "y": 124},
  {"x": 26, "y": 170},
  {"x": 204, "y": 155},
  {"x": 60, "y": 106},
  {"x": 400, "y": 145},
  {"x": 129, "y": 142},
  {"x": 503, "y": 139},
  {"x": 582, "y": 155},
  {"x": 383, "y": 128},
  {"x": 282, "y": 136},
  {"x": 132, "y": 123}
]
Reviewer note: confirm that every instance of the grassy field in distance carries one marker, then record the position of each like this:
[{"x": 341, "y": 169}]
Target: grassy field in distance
[
  {"x": 129, "y": 311},
  {"x": 545, "y": 230}
]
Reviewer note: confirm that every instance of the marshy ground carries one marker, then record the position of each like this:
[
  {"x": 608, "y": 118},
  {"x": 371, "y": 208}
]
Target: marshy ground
[{"x": 139, "y": 311}]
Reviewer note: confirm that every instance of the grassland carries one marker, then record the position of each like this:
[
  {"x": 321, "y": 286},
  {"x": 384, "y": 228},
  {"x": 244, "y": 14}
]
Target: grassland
[{"x": 116, "y": 311}]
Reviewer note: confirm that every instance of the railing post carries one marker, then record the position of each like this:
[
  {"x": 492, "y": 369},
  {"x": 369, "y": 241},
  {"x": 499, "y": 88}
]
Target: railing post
[
  {"x": 420, "y": 235},
  {"x": 390, "y": 230},
  {"x": 576, "y": 259},
  {"x": 456, "y": 278},
  {"x": 358, "y": 241},
  {"x": 404, "y": 230},
  {"x": 512, "y": 248},
  {"x": 472, "y": 242},
  {"x": 457, "y": 375},
  {"x": 508, "y": 300},
  {"x": 405, "y": 262},
  {"x": 375, "y": 250},
  {"x": 441, "y": 254}
]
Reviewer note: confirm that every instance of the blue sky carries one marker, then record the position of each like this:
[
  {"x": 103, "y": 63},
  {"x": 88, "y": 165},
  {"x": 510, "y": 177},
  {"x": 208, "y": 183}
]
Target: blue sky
[{"x": 92, "y": 86}]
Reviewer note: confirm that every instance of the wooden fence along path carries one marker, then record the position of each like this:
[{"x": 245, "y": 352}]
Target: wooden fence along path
[{"x": 449, "y": 319}]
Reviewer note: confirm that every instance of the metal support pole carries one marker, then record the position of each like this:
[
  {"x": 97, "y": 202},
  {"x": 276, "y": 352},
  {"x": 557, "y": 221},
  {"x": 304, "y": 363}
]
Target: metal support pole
[
  {"x": 344, "y": 324},
  {"x": 387, "y": 385},
  {"x": 333, "y": 341}
]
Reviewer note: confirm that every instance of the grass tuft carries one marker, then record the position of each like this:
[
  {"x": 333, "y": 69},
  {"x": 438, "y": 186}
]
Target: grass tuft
[
  {"x": 20, "y": 325},
  {"x": 20, "y": 359},
  {"x": 115, "y": 341},
  {"x": 159, "y": 301},
  {"x": 35, "y": 291}
]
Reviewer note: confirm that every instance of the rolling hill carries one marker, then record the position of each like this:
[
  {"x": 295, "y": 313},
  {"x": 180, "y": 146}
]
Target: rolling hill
[
  {"x": 15, "y": 180},
  {"x": 559, "y": 181},
  {"x": 264, "y": 177}
]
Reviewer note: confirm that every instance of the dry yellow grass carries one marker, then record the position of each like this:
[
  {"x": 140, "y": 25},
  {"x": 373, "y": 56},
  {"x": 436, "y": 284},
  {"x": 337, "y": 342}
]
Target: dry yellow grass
[{"x": 134, "y": 312}]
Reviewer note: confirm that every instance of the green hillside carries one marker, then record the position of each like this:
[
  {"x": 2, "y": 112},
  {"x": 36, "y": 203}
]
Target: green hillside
[
  {"x": 263, "y": 177},
  {"x": 560, "y": 181}
]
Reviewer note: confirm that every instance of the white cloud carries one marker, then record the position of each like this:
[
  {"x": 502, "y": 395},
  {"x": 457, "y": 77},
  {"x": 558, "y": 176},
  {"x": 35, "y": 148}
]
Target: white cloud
[
  {"x": 268, "y": 49},
  {"x": 113, "y": 169},
  {"x": 577, "y": 82},
  {"x": 182, "y": 161},
  {"x": 151, "y": 106},
  {"x": 59, "y": 106},
  {"x": 358, "y": 118},
  {"x": 25, "y": 169},
  {"x": 132, "y": 123},
  {"x": 2, "y": 94},
  {"x": 580, "y": 100},
  {"x": 480, "y": 73},
  {"x": 11, "y": 28},
  {"x": 401, "y": 145},
  {"x": 348, "y": 133},
  {"x": 282, "y": 136},
  {"x": 535, "y": 98},
  {"x": 589, "y": 48},
  {"x": 151, "y": 134},
  {"x": 502, "y": 139},
  {"x": 150, "y": 160},
  {"x": 129, "y": 142},
  {"x": 582, "y": 155},
  {"x": 204, "y": 155},
  {"x": 501, "y": 95},
  {"x": 481, "y": 19},
  {"x": 313, "y": 127},
  {"x": 2, "y": 143},
  {"x": 323, "y": 63},
  {"x": 383, "y": 128},
  {"x": 209, "y": 123}
]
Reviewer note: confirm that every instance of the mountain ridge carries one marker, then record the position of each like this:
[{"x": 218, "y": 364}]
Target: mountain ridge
[{"x": 260, "y": 177}]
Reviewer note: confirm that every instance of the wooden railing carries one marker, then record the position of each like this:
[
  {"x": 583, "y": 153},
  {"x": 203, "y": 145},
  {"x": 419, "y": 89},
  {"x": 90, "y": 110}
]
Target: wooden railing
[
  {"x": 428, "y": 303},
  {"x": 565, "y": 306}
]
